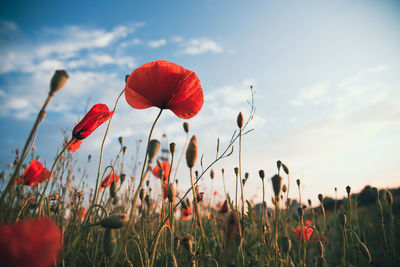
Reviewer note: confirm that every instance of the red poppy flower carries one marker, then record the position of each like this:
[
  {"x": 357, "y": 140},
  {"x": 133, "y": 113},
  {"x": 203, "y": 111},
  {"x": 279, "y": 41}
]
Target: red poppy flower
[
  {"x": 186, "y": 213},
  {"x": 34, "y": 174},
  {"x": 165, "y": 85},
  {"x": 34, "y": 243},
  {"x": 165, "y": 166},
  {"x": 96, "y": 116},
  {"x": 215, "y": 193},
  {"x": 82, "y": 213},
  {"x": 307, "y": 232},
  {"x": 108, "y": 180}
]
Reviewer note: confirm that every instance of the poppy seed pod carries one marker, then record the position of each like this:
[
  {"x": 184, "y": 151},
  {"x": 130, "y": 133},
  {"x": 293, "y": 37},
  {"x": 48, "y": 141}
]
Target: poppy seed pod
[
  {"x": 320, "y": 197},
  {"x": 223, "y": 171},
  {"x": 186, "y": 127},
  {"x": 285, "y": 169},
  {"x": 109, "y": 242},
  {"x": 121, "y": 140},
  {"x": 171, "y": 193},
  {"x": 152, "y": 150},
  {"x": 348, "y": 189},
  {"x": 276, "y": 184},
  {"x": 191, "y": 152},
  {"x": 113, "y": 189},
  {"x": 236, "y": 170},
  {"x": 114, "y": 221},
  {"x": 286, "y": 244},
  {"x": 212, "y": 174},
  {"x": 240, "y": 120},
  {"x": 172, "y": 147},
  {"x": 389, "y": 197},
  {"x": 261, "y": 173},
  {"x": 58, "y": 81}
]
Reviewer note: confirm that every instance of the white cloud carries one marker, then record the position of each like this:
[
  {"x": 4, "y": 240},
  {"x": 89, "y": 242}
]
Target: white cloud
[
  {"x": 313, "y": 94},
  {"x": 200, "y": 46},
  {"x": 157, "y": 43},
  {"x": 132, "y": 42},
  {"x": 176, "y": 39}
]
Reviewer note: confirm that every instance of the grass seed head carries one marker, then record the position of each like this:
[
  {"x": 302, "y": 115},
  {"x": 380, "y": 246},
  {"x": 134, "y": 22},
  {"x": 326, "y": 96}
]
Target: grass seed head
[{"x": 191, "y": 152}]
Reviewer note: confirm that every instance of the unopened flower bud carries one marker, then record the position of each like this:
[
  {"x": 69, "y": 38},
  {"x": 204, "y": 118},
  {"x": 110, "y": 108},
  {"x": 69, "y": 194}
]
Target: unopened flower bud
[
  {"x": 309, "y": 202},
  {"x": 298, "y": 182},
  {"x": 279, "y": 164},
  {"x": 300, "y": 212},
  {"x": 109, "y": 242},
  {"x": 171, "y": 193},
  {"x": 58, "y": 80},
  {"x": 148, "y": 183},
  {"x": 172, "y": 147},
  {"x": 223, "y": 171},
  {"x": 89, "y": 157},
  {"x": 240, "y": 120},
  {"x": 141, "y": 194},
  {"x": 191, "y": 152},
  {"x": 261, "y": 173},
  {"x": 113, "y": 189},
  {"x": 212, "y": 174},
  {"x": 154, "y": 146},
  {"x": 236, "y": 170},
  {"x": 276, "y": 184},
  {"x": 285, "y": 169},
  {"x": 246, "y": 175},
  {"x": 121, "y": 140},
  {"x": 320, "y": 197},
  {"x": 124, "y": 149},
  {"x": 186, "y": 127},
  {"x": 284, "y": 188},
  {"x": 114, "y": 221},
  {"x": 122, "y": 177},
  {"x": 348, "y": 189}
]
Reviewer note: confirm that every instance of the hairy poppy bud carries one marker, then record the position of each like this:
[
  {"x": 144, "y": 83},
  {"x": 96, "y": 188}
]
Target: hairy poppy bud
[
  {"x": 320, "y": 197},
  {"x": 154, "y": 146},
  {"x": 171, "y": 193},
  {"x": 389, "y": 197},
  {"x": 191, "y": 152},
  {"x": 309, "y": 202},
  {"x": 148, "y": 183},
  {"x": 276, "y": 184},
  {"x": 279, "y": 164},
  {"x": 320, "y": 249},
  {"x": 124, "y": 149},
  {"x": 58, "y": 80},
  {"x": 348, "y": 189},
  {"x": 114, "y": 221},
  {"x": 122, "y": 177},
  {"x": 298, "y": 182},
  {"x": 141, "y": 194},
  {"x": 89, "y": 157},
  {"x": 113, "y": 189},
  {"x": 286, "y": 244},
  {"x": 236, "y": 170},
  {"x": 109, "y": 242},
  {"x": 186, "y": 127},
  {"x": 285, "y": 169},
  {"x": 172, "y": 147},
  {"x": 342, "y": 219},
  {"x": 223, "y": 171},
  {"x": 284, "y": 188},
  {"x": 121, "y": 140},
  {"x": 246, "y": 175},
  {"x": 212, "y": 174},
  {"x": 261, "y": 173},
  {"x": 365, "y": 252},
  {"x": 240, "y": 120}
]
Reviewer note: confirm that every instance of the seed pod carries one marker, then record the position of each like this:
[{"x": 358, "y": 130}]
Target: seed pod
[
  {"x": 58, "y": 80},
  {"x": 285, "y": 169},
  {"x": 109, "y": 242},
  {"x": 236, "y": 170},
  {"x": 122, "y": 177},
  {"x": 286, "y": 244},
  {"x": 348, "y": 189},
  {"x": 279, "y": 164},
  {"x": 240, "y": 120},
  {"x": 154, "y": 146},
  {"x": 212, "y": 174},
  {"x": 261, "y": 173},
  {"x": 113, "y": 189},
  {"x": 171, "y": 193},
  {"x": 342, "y": 219},
  {"x": 389, "y": 197},
  {"x": 172, "y": 147},
  {"x": 246, "y": 175},
  {"x": 309, "y": 202},
  {"x": 300, "y": 212},
  {"x": 276, "y": 184},
  {"x": 320, "y": 197},
  {"x": 186, "y": 127},
  {"x": 114, "y": 221},
  {"x": 298, "y": 182},
  {"x": 191, "y": 152},
  {"x": 320, "y": 249},
  {"x": 121, "y": 140},
  {"x": 365, "y": 252}
]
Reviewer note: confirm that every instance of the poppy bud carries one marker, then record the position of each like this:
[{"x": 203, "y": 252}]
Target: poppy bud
[
  {"x": 320, "y": 249},
  {"x": 89, "y": 157},
  {"x": 284, "y": 188},
  {"x": 243, "y": 181},
  {"x": 191, "y": 152},
  {"x": 365, "y": 252},
  {"x": 172, "y": 147},
  {"x": 276, "y": 184},
  {"x": 309, "y": 202},
  {"x": 121, "y": 140},
  {"x": 240, "y": 120},
  {"x": 246, "y": 175},
  {"x": 109, "y": 242},
  {"x": 236, "y": 170},
  {"x": 122, "y": 177},
  {"x": 342, "y": 219},
  {"x": 223, "y": 171},
  {"x": 286, "y": 244},
  {"x": 300, "y": 212},
  {"x": 196, "y": 173},
  {"x": 186, "y": 127},
  {"x": 285, "y": 169},
  {"x": 298, "y": 182},
  {"x": 184, "y": 205},
  {"x": 171, "y": 193},
  {"x": 212, "y": 174},
  {"x": 58, "y": 80},
  {"x": 148, "y": 183},
  {"x": 147, "y": 200},
  {"x": 279, "y": 164},
  {"x": 124, "y": 149},
  {"x": 389, "y": 197},
  {"x": 152, "y": 149},
  {"x": 113, "y": 189},
  {"x": 348, "y": 189},
  {"x": 335, "y": 189},
  {"x": 141, "y": 194},
  {"x": 114, "y": 221},
  {"x": 261, "y": 173},
  {"x": 320, "y": 197}
]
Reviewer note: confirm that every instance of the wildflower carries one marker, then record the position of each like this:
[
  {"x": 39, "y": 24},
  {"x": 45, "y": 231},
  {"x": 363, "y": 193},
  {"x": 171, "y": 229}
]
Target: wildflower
[
  {"x": 35, "y": 243},
  {"x": 163, "y": 169},
  {"x": 306, "y": 230},
  {"x": 165, "y": 85},
  {"x": 186, "y": 212},
  {"x": 34, "y": 174},
  {"x": 109, "y": 179},
  {"x": 96, "y": 116}
]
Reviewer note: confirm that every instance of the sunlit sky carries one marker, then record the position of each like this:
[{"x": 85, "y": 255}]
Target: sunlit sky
[{"x": 326, "y": 76}]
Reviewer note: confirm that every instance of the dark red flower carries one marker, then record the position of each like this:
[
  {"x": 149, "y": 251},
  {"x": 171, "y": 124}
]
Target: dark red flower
[
  {"x": 108, "y": 180},
  {"x": 96, "y": 116},
  {"x": 165, "y": 166},
  {"x": 34, "y": 243},
  {"x": 307, "y": 232},
  {"x": 34, "y": 174},
  {"x": 165, "y": 85}
]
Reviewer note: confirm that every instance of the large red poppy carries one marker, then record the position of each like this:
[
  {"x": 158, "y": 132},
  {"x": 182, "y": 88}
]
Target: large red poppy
[
  {"x": 34, "y": 243},
  {"x": 34, "y": 174},
  {"x": 108, "y": 180},
  {"x": 96, "y": 116},
  {"x": 165, "y": 166},
  {"x": 165, "y": 85}
]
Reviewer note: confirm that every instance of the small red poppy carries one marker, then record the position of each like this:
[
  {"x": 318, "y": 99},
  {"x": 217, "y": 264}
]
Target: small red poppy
[
  {"x": 96, "y": 116},
  {"x": 34, "y": 243},
  {"x": 108, "y": 180},
  {"x": 34, "y": 174},
  {"x": 307, "y": 232},
  {"x": 165, "y": 166},
  {"x": 165, "y": 85}
]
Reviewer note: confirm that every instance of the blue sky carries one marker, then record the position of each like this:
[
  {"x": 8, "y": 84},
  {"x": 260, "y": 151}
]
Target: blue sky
[{"x": 326, "y": 77}]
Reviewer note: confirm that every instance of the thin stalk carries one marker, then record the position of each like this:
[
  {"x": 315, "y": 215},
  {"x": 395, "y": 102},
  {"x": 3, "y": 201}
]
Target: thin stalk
[{"x": 196, "y": 210}]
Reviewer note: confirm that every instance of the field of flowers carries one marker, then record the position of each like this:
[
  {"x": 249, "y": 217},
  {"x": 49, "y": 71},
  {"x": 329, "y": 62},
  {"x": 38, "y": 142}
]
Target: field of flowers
[{"x": 45, "y": 220}]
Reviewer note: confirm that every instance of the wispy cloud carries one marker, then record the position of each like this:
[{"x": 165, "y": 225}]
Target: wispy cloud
[
  {"x": 197, "y": 46},
  {"x": 157, "y": 43}
]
